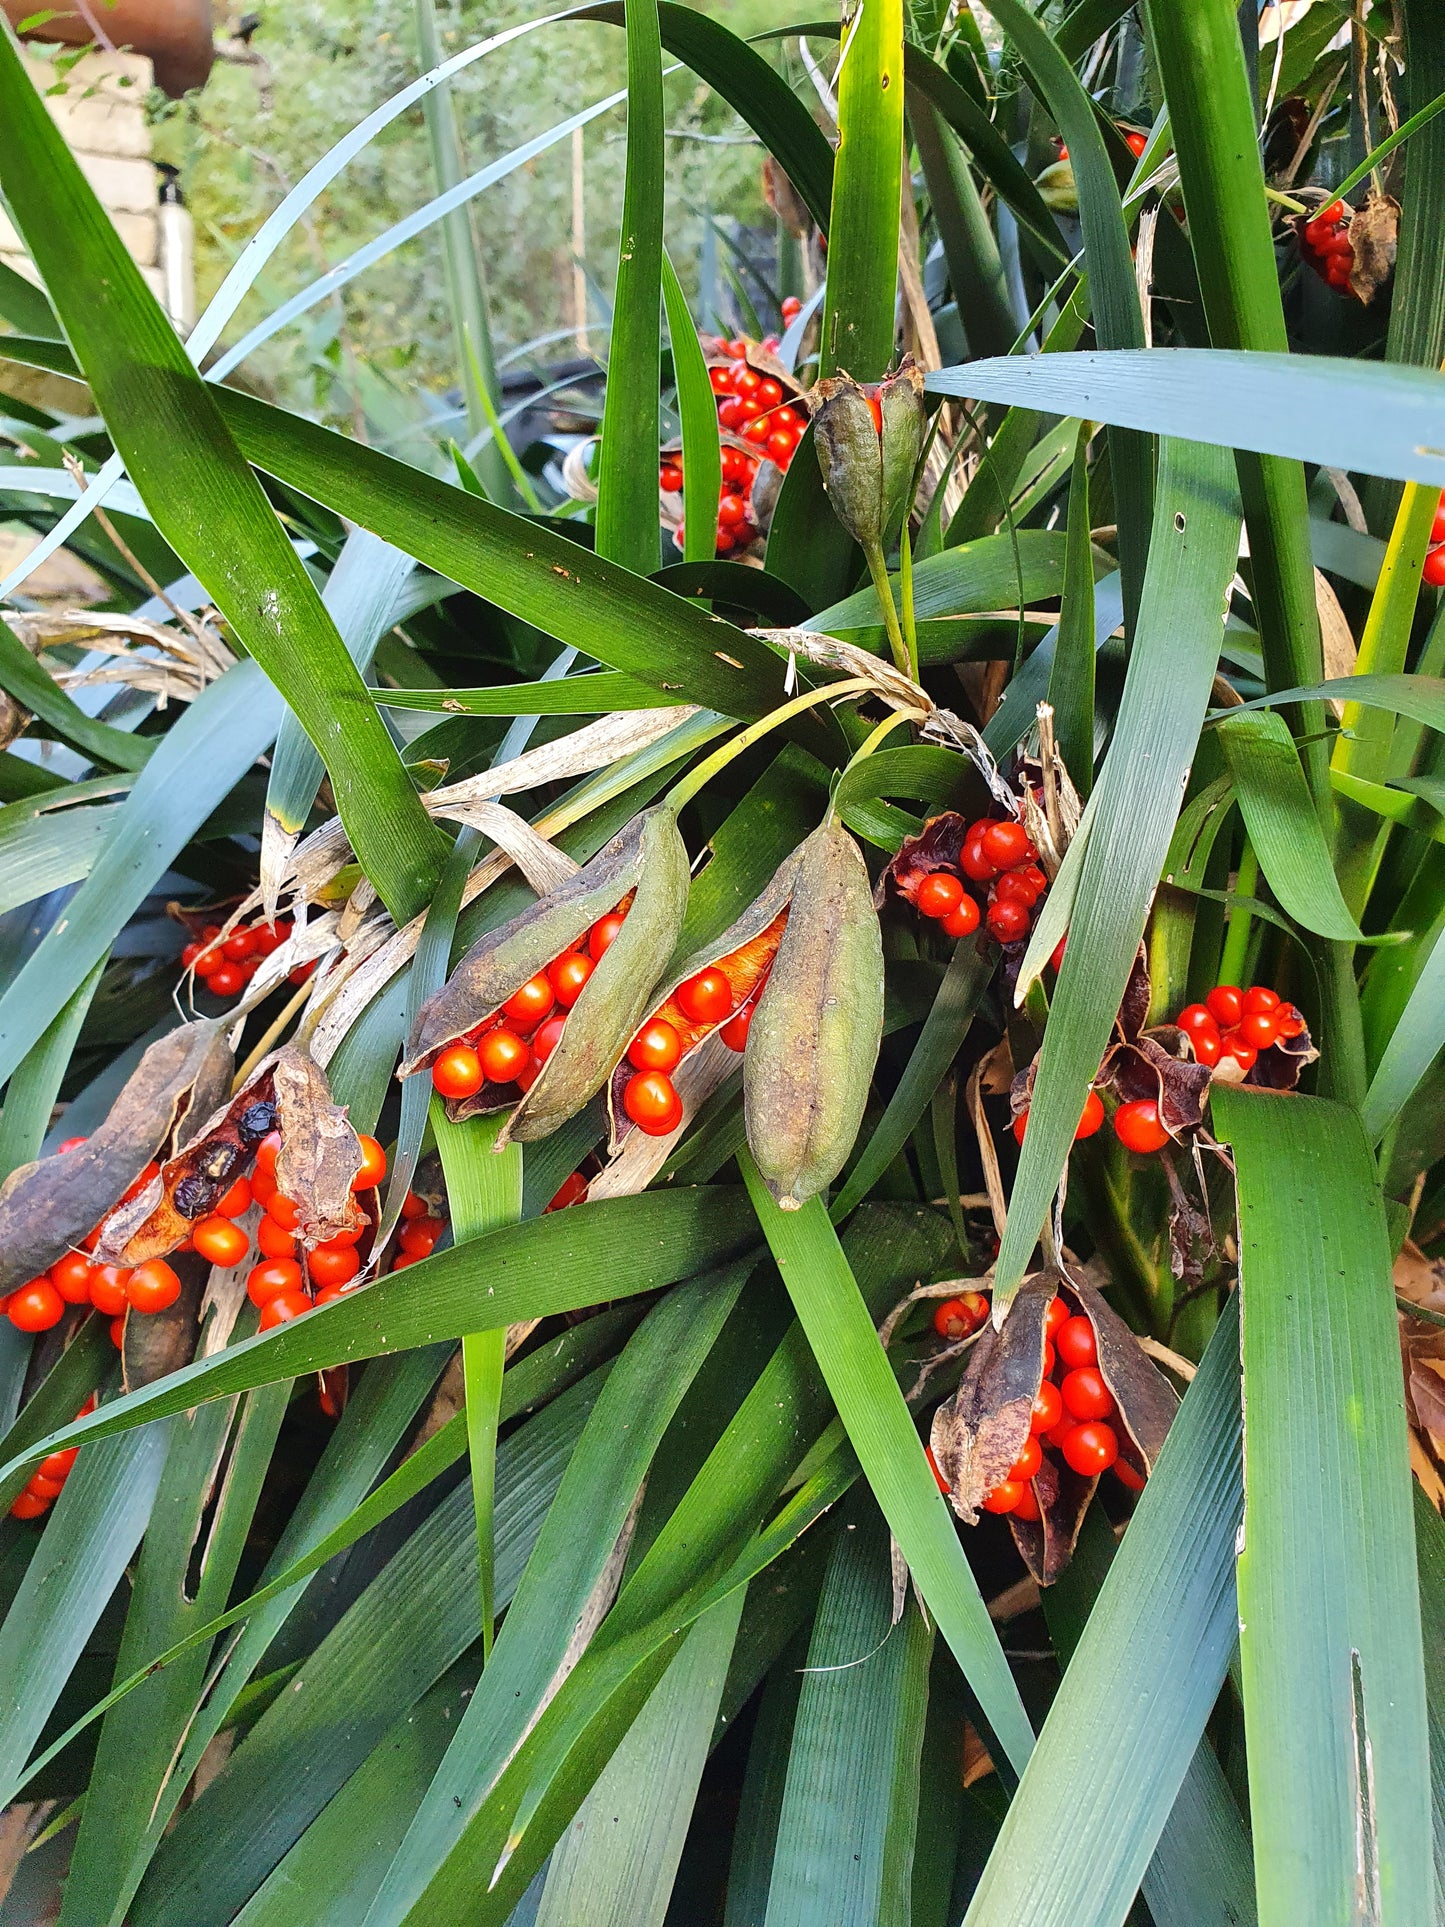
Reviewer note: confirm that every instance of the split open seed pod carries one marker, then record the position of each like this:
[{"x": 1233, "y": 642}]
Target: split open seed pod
[
  {"x": 744, "y": 954},
  {"x": 50, "y": 1206},
  {"x": 815, "y": 1034},
  {"x": 978, "y": 1434},
  {"x": 869, "y": 437},
  {"x": 645, "y": 866},
  {"x": 319, "y": 1158}
]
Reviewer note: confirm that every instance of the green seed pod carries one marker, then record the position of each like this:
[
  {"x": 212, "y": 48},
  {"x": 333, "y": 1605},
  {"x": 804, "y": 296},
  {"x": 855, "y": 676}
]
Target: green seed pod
[
  {"x": 815, "y": 1036},
  {"x": 869, "y": 439},
  {"x": 647, "y": 858}
]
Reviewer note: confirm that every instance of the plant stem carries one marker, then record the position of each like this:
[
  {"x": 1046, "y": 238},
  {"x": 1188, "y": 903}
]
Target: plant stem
[
  {"x": 685, "y": 790},
  {"x": 878, "y": 570},
  {"x": 1236, "y": 940},
  {"x": 905, "y": 598}
]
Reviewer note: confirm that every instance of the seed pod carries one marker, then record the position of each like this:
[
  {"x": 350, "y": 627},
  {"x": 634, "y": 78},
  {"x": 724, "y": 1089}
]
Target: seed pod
[
  {"x": 869, "y": 438},
  {"x": 649, "y": 858},
  {"x": 818, "y": 1024},
  {"x": 319, "y": 1157},
  {"x": 978, "y": 1434},
  {"x": 744, "y": 954},
  {"x": 47, "y": 1207}
]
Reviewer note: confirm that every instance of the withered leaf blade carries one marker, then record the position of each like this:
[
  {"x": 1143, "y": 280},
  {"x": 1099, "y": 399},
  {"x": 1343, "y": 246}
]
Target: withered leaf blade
[
  {"x": 49, "y": 1206},
  {"x": 744, "y": 953},
  {"x": 502, "y": 960},
  {"x": 979, "y": 1432},
  {"x": 601, "y": 1023}
]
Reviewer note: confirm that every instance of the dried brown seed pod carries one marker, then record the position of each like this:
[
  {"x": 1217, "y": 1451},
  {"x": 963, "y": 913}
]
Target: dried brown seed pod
[
  {"x": 978, "y": 1434},
  {"x": 49, "y": 1206},
  {"x": 319, "y": 1157}
]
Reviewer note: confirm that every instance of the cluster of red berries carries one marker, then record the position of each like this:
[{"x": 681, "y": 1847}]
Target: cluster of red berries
[
  {"x": 1238, "y": 1024},
  {"x": 1000, "y": 853},
  {"x": 1070, "y": 1415},
  {"x": 650, "y": 1098},
  {"x": 420, "y": 1229},
  {"x": 227, "y": 964},
  {"x": 46, "y": 1482},
  {"x": 735, "y": 529},
  {"x": 755, "y": 406},
  {"x": 512, "y": 1045},
  {"x": 1325, "y": 243},
  {"x": 1433, "y": 571},
  {"x": 111, "y": 1290},
  {"x": 277, "y": 1286},
  {"x": 1133, "y": 140}
]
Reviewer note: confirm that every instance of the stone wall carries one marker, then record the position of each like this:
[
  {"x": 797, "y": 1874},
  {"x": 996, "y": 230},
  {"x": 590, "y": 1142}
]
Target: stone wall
[{"x": 101, "y": 112}]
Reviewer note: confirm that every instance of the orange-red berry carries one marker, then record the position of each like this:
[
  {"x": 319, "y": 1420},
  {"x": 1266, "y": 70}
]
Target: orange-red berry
[
  {"x": 71, "y": 1276},
  {"x": 656, "y": 1047},
  {"x": 273, "y": 1241},
  {"x": 457, "y": 1072},
  {"x": 36, "y": 1306},
  {"x": 531, "y": 1003},
  {"x": 1048, "y": 1408},
  {"x": 281, "y": 1309},
  {"x": 219, "y": 1241},
  {"x": 962, "y": 921},
  {"x": 1074, "y": 1342},
  {"x": 152, "y": 1286},
  {"x": 333, "y": 1264},
  {"x": 939, "y": 894},
  {"x": 1091, "y": 1449},
  {"x": 546, "y": 1038},
  {"x": 503, "y": 1056},
  {"x": 573, "y": 1190},
  {"x": 1137, "y": 1126},
  {"x": 1085, "y": 1394},
  {"x": 707, "y": 997},
  {"x": 107, "y": 1290},
  {"x": 268, "y": 1281},
  {"x": 1006, "y": 843},
  {"x": 373, "y": 1163},
  {"x": 568, "y": 977},
  {"x": 652, "y": 1103},
  {"x": 1226, "y": 1004}
]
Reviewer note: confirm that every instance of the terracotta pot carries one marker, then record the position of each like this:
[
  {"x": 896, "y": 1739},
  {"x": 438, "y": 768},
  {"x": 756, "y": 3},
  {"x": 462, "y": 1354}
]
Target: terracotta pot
[{"x": 175, "y": 34}]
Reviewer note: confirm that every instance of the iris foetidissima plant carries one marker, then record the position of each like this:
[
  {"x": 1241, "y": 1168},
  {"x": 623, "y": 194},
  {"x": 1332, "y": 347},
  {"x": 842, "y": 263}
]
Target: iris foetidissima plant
[{"x": 691, "y": 1459}]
